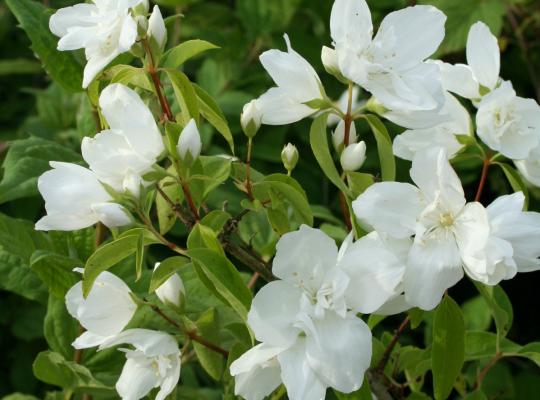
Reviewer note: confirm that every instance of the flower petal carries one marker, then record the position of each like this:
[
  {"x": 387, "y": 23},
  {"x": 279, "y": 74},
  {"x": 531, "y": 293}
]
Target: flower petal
[
  {"x": 279, "y": 108},
  {"x": 483, "y": 55},
  {"x": 350, "y": 22},
  {"x": 136, "y": 380}
]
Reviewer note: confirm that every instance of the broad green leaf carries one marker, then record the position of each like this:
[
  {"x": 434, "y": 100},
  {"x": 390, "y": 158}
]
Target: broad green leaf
[
  {"x": 448, "y": 349},
  {"x": 61, "y": 65},
  {"x": 55, "y": 270},
  {"x": 208, "y": 173},
  {"x": 185, "y": 94},
  {"x": 530, "y": 351},
  {"x": 131, "y": 76},
  {"x": 516, "y": 181},
  {"x": 213, "y": 114},
  {"x": 53, "y": 369},
  {"x": 208, "y": 328},
  {"x": 165, "y": 270},
  {"x": 112, "y": 253},
  {"x": 25, "y": 161},
  {"x": 477, "y": 314},
  {"x": 319, "y": 145},
  {"x": 178, "y": 55},
  {"x": 359, "y": 182},
  {"x": 384, "y": 147},
  {"x": 203, "y": 237},
  {"x": 500, "y": 306},
  {"x": 224, "y": 277},
  {"x": 60, "y": 328},
  {"x": 480, "y": 345}
]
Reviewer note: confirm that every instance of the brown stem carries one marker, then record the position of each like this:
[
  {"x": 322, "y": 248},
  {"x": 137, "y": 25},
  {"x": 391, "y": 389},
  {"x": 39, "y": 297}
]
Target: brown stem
[
  {"x": 248, "y": 170},
  {"x": 189, "y": 199},
  {"x": 151, "y": 68},
  {"x": 159, "y": 236},
  {"x": 391, "y": 345},
  {"x": 345, "y": 211},
  {"x": 176, "y": 208},
  {"x": 482, "y": 374},
  {"x": 348, "y": 117},
  {"x": 524, "y": 50},
  {"x": 253, "y": 280},
  {"x": 190, "y": 334},
  {"x": 483, "y": 177}
]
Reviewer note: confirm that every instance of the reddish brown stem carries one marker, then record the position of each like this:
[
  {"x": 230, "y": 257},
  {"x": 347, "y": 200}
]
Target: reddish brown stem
[
  {"x": 191, "y": 203},
  {"x": 483, "y": 177},
  {"x": 345, "y": 211},
  {"x": 348, "y": 119},
  {"x": 391, "y": 345},
  {"x": 191, "y": 334},
  {"x": 486, "y": 369},
  {"x": 253, "y": 280}
]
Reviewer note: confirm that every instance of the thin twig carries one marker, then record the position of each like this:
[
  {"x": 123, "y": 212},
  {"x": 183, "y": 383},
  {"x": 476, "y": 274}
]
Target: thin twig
[
  {"x": 482, "y": 374},
  {"x": 391, "y": 345},
  {"x": 483, "y": 177},
  {"x": 176, "y": 208},
  {"x": 189, "y": 200},
  {"x": 174, "y": 247}
]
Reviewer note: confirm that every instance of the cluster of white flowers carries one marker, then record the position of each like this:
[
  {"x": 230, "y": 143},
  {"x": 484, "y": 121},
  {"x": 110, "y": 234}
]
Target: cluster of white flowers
[
  {"x": 422, "y": 238},
  {"x": 105, "y": 313}
]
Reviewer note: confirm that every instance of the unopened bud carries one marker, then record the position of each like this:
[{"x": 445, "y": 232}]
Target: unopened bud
[
  {"x": 329, "y": 59},
  {"x": 251, "y": 119},
  {"x": 353, "y": 157},
  {"x": 172, "y": 291},
  {"x": 289, "y": 156},
  {"x": 338, "y": 137},
  {"x": 190, "y": 144},
  {"x": 156, "y": 28}
]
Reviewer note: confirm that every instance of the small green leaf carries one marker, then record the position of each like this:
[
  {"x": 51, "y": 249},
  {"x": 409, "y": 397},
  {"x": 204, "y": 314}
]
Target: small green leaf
[
  {"x": 500, "y": 306},
  {"x": 359, "y": 182},
  {"x": 165, "y": 270},
  {"x": 112, "y": 253},
  {"x": 185, "y": 94},
  {"x": 208, "y": 327},
  {"x": 448, "y": 349},
  {"x": 384, "y": 147},
  {"x": 516, "y": 181},
  {"x": 225, "y": 279},
  {"x": 61, "y": 65},
  {"x": 203, "y": 237},
  {"x": 55, "y": 270},
  {"x": 139, "y": 255},
  {"x": 129, "y": 75},
  {"x": 319, "y": 146},
  {"x": 178, "y": 55}
]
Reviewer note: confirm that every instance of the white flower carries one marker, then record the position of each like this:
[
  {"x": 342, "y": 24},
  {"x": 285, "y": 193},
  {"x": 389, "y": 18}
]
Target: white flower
[
  {"x": 507, "y": 123},
  {"x": 172, "y": 290},
  {"x": 251, "y": 118},
  {"x": 391, "y": 65},
  {"x": 155, "y": 362},
  {"x": 448, "y": 231},
  {"x": 309, "y": 339},
  {"x": 343, "y": 103},
  {"x": 353, "y": 156},
  {"x": 75, "y": 199},
  {"x": 442, "y": 135},
  {"x": 514, "y": 243},
  {"x": 482, "y": 74},
  {"x": 130, "y": 147},
  {"x": 530, "y": 167},
  {"x": 156, "y": 28},
  {"x": 297, "y": 83},
  {"x": 189, "y": 144},
  {"x": 104, "y": 29},
  {"x": 289, "y": 156},
  {"x": 104, "y": 313}
]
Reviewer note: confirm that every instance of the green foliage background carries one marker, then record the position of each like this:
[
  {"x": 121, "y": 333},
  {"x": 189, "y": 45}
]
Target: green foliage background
[{"x": 42, "y": 121}]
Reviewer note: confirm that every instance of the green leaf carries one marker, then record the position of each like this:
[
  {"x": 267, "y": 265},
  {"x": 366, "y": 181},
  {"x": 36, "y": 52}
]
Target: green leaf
[
  {"x": 25, "y": 161},
  {"x": 165, "y": 270},
  {"x": 500, "y": 306},
  {"x": 319, "y": 145},
  {"x": 112, "y": 253},
  {"x": 61, "y": 65},
  {"x": 516, "y": 181},
  {"x": 225, "y": 279},
  {"x": 480, "y": 345},
  {"x": 139, "y": 255},
  {"x": 166, "y": 214},
  {"x": 55, "y": 270},
  {"x": 19, "y": 66},
  {"x": 384, "y": 147},
  {"x": 185, "y": 94},
  {"x": 203, "y": 237},
  {"x": 178, "y": 55},
  {"x": 359, "y": 182},
  {"x": 209, "y": 172},
  {"x": 448, "y": 350},
  {"x": 212, "y": 113},
  {"x": 53, "y": 369},
  {"x": 60, "y": 328},
  {"x": 477, "y": 314},
  {"x": 208, "y": 328},
  {"x": 129, "y": 75}
]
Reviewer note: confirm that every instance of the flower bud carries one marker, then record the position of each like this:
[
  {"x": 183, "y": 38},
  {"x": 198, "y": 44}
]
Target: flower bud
[
  {"x": 251, "y": 119},
  {"x": 353, "y": 157},
  {"x": 189, "y": 145},
  {"x": 289, "y": 156},
  {"x": 156, "y": 28},
  {"x": 329, "y": 59},
  {"x": 338, "y": 137},
  {"x": 172, "y": 291}
]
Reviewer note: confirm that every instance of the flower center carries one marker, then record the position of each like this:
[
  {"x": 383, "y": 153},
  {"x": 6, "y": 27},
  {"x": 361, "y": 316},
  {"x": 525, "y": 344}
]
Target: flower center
[{"x": 446, "y": 220}]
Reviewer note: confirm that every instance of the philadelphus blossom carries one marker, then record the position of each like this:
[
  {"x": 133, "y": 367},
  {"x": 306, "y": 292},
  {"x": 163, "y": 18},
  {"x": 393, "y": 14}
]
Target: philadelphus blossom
[
  {"x": 75, "y": 199},
  {"x": 310, "y": 339},
  {"x": 289, "y": 156},
  {"x": 530, "y": 167},
  {"x": 105, "y": 29},
  {"x": 104, "y": 313},
  {"x": 353, "y": 156},
  {"x": 172, "y": 291},
  {"x": 442, "y": 135},
  {"x": 189, "y": 144},
  {"x": 154, "y": 362},
  {"x": 251, "y": 118},
  {"x": 297, "y": 83},
  {"x": 392, "y": 64},
  {"x": 449, "y": 233},
  {"x": 122, "y": 154},
  {"x": 156, "y": 28}
]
